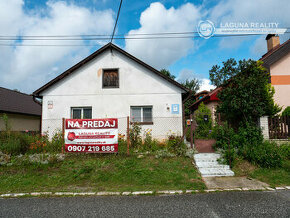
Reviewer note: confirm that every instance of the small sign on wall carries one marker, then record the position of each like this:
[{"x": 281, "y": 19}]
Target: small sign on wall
[
  {"x": 175, "y": 108},
  {"x": 50, "y": 104}
]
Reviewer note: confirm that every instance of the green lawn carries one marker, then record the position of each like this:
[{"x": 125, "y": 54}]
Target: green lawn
[
  {"x": 102, "y": 173},
  {"x": 274, "y": 177}
]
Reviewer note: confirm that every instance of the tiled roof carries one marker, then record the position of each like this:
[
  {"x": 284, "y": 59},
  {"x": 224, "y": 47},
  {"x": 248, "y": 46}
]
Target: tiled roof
[{"x": 17, "y": 102}]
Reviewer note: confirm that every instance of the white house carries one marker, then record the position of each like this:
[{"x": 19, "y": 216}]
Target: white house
[{"x": 110, "y": 83}]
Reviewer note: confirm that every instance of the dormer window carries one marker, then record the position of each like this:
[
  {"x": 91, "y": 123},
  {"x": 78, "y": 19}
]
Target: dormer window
[{"x": 110, "y": 78}]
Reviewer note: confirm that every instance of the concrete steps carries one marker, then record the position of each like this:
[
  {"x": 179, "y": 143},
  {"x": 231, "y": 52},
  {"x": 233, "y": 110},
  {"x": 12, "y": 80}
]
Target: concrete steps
[{"x": 208, "y": 165}]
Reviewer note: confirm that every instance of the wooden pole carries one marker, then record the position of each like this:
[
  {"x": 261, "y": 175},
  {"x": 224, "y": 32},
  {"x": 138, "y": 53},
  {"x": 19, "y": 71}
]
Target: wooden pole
[
  {"x": 63, "y": 129},
  {"x": 128, "y": 137},
  {"x": 191, "y": 131}
]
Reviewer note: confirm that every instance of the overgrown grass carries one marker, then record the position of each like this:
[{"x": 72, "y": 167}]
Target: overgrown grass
[
  {"x": 272, "y": 176},
  {"x": 102, "y": 173}
]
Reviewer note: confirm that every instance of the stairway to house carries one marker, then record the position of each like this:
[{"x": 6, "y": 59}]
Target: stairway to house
[{"x": 208, "y": 165}]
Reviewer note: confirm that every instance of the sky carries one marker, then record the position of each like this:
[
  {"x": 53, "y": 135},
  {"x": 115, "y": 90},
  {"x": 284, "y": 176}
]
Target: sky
[{"x": 27, "y": 68}]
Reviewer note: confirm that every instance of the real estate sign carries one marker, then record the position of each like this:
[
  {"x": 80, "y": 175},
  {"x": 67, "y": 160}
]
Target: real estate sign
[{"x": 91, "y": 135}]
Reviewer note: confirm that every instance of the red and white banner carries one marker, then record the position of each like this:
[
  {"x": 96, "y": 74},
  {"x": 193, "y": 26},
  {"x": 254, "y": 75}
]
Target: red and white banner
[{"x": 91, "y": 135}]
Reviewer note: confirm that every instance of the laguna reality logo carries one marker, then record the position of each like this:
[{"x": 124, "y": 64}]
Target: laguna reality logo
[{"x": 205, "y": 29}]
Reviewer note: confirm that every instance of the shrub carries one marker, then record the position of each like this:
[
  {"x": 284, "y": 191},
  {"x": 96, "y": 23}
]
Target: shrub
[
  {"x": 285, "y": 151},
  {"x": 134, "y": 135},
  {"x": 286, "y": 111},
  {"x": 150, "y": 144},
  {"x": 14, "y": 143},
  {"x": 204, "y": 127},
  {"x": 175, "y": 145},
  {"x": 266, "y": 154},
  {"x": 56, "y": 144},
  {"x": 248, "y": 143}
]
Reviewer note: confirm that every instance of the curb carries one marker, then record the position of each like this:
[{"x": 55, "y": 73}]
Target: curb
[{"x": 135, "y": 193}]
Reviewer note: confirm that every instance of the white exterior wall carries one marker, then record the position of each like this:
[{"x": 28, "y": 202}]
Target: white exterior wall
[{"x": 138, "y": 86}]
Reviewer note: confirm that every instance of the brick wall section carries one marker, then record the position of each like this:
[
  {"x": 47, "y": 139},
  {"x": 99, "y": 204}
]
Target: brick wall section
[{"x": 263, "y": 124}]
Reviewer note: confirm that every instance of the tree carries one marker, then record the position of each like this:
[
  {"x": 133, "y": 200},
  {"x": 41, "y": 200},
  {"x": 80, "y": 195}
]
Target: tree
[
  {"x": 286, "y": 111},
  {"x": 167, "y": 73},
  {"x": 194, "y": 86},
  {"x": 246, "y": 94},
  {"x": 220, "y": 75}
]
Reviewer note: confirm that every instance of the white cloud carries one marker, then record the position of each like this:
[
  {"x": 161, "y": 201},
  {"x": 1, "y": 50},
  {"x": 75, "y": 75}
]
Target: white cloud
[
  {"x": 205, "y": 85},
  {"x": 186, "y": 74},
  {"x": 160, "y": 53},
  {"x": 27, "y": 68}
]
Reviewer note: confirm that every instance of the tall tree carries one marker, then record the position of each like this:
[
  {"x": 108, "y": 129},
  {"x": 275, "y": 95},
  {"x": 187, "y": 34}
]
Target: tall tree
[{"x": 246, "y": 94}]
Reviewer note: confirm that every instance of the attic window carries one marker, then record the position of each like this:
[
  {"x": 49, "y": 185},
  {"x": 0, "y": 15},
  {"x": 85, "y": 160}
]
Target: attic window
[{"x": 110, "y": 78}]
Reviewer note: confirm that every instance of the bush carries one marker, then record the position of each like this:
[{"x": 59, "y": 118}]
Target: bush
[
  {"x": 14, "y": 143},
  {"x": 286, "y": 111},
  {"x": 149, "y": 144},
  {"x": 175, "y": 145},
  {"x": 204, "y": 128},
  {"x": 266, "y": 154},
  {"x": 134, "y": 134},
  {"x": 285, "y": 151},
  {"x": 248, "y": 143},
  {"x": 56, "y": 144}
]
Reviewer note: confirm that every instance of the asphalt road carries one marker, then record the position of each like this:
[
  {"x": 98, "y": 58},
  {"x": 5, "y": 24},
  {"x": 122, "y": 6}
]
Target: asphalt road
[{"x": 223, "y": 204}]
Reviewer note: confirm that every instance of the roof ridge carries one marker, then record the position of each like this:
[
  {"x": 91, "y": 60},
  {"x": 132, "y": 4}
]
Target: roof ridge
[
  {"x": 18, "y": 92},
  {"x": 273, "y": 50},
  {"x": 96, "y": 53}
]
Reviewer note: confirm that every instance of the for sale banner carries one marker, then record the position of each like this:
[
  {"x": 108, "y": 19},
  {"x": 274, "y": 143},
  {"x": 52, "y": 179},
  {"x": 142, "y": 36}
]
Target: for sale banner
[{"x": 91, "y": 135}]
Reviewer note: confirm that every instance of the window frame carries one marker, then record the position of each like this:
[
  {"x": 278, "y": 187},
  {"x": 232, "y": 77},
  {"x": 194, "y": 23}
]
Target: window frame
[
  {"x": 110, "y": 69},
  {"x": 82, "y": 112},
  {"x": 142, "y": 115}
]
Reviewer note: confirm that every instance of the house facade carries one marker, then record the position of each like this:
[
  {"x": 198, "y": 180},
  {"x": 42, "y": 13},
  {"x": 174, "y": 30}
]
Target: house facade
[
  {"x": 277, "y": 61},
  {"x": 111, "y": 83},
  {"x": 23, "y": 112}
]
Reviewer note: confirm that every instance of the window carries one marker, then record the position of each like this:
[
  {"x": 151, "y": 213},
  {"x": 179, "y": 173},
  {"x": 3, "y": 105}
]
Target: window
[
  {"x": 81, "y": 113},
  {"x": 110, "y": 78},
  {"x": 141, "y": 114}
]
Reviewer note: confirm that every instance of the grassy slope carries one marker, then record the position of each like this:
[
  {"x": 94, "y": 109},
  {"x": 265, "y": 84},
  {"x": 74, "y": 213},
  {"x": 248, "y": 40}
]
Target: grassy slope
[
  {"x": 274, "y": 177},
  {"x": 102, "y": 173}
]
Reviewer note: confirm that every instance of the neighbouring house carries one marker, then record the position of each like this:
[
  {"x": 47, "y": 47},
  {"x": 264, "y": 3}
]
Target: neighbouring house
[
  {"x": 277, "y": 61},
  {"x": 111, "y": 83},
  {"x": 210, "y": 100},
  {"x": 23, "y": 112}
]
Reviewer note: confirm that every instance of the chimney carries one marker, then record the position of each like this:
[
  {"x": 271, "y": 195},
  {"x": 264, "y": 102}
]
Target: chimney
[{"x": 272, "y": 41}]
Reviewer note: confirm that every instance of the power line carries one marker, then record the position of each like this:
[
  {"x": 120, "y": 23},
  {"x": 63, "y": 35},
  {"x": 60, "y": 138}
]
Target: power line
[
  {"x": 116, "y": 20},
  {"x": 94, "y": 35},
  {"x": 128, "y": 38}
]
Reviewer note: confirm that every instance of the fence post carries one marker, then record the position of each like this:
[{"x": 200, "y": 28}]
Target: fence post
[
  {"x": 264, "y": 125},
  {"x": 191, "y": 131},
  {"x": 63, "y": 128},
  {"x": 128, "y": 137}
]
